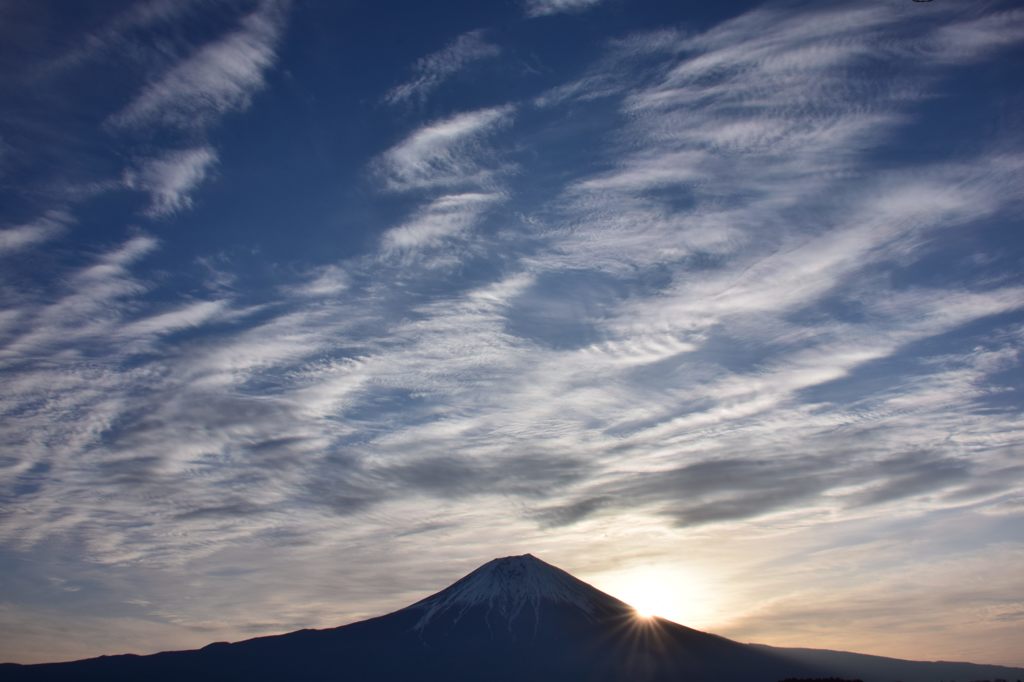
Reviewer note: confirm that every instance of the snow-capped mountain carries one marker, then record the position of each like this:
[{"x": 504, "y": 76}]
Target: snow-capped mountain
[
  {"x": 513, "y": 586},
  {"x": 516, "y": 618}
]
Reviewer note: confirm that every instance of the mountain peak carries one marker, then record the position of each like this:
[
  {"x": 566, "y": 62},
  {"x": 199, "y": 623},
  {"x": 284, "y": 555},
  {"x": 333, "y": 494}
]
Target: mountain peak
[
  {"x": 512, "y": 558},
  {"x": 508, "y": 584},
  {"x": 520, "y": 560}
]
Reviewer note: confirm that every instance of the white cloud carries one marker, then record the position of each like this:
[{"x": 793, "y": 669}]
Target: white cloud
[
  {"x": 540, "y": 8},
  {"x": 649, "y": 171},
  {"x": 219, "y": 77},
  {"x": 330, "y": 280},
  {"x": 20, "y": 237},
  {"x": 431, "y": 71},
  {"x": 170, "y": 179},
  {"x": 972, "y": 39},
  {"x": 118, "y": 33},
  {"x": 443, "y": 218},
  {"x": 443, "y": 153},
  {"x": 187, "y": 316},
  {"x": 87, "y": 307}
]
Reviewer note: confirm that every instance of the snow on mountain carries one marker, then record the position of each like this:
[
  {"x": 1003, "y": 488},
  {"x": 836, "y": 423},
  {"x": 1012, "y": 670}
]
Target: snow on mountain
[{"x": 510, "y": 584}]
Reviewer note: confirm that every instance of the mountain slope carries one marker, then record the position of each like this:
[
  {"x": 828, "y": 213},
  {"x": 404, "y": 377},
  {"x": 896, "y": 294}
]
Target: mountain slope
[
  {"x": 515, "y": 618},
  {"x": 881, "y": 668}
]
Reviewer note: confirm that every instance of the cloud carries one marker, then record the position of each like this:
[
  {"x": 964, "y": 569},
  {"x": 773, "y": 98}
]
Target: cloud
[
  {"x": 188, "y": 316},
  {"x": 329, "y": 280},
  {"x": 729, "y": 490},
  {"x": 521, "y": 476},
  {"x": 83, "y": 307},
  {"x": 435, "y": 68},
  {"x": 119, "y": 33},
  {"x": 443, "y": 153},
  {"x": 45, "y": 228},
  {"x": 914, "y": 474},
  {"x": 443, "y": 218},
  {"x": 971, "y": 39},
  {"x": 541, "y": 8},
  {"x": 732, "y": 129},
  {"x": 568, "y": 514},
  {"x": 171, "y": 178},
  {"x": 651, "y": 171},
  {"x": 219, "y": 77},
  {"x": 688, "y": 331}
]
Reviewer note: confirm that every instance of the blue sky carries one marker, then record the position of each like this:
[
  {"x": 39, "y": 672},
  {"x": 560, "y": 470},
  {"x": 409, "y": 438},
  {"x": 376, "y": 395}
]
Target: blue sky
[{"x": 310, "y": 308}]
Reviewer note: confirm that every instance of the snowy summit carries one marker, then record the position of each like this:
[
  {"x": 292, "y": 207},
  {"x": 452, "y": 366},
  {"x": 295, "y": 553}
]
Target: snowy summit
[{"x": 507, "y": 585}]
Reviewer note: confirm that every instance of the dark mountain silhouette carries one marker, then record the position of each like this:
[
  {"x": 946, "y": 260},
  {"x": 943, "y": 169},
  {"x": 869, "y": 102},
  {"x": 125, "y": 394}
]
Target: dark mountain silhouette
[
  {"x": 515, "y": 618},
  {"x": 883, "y": 669}
]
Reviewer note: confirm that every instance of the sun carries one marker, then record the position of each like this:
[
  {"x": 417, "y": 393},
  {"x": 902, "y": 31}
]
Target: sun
[
  {"x": 648, "y": 599},
  {"x": 679, "y": 594}
]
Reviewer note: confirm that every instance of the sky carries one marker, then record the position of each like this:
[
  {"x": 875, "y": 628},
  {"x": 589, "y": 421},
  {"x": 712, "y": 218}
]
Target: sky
[{"x": 309, "y": 308}]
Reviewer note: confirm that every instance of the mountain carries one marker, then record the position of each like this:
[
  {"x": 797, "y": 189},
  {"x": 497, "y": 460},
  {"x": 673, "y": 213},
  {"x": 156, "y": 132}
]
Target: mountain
[
  {"x": 516, "y": 618},
  {"x": 882, "y": 669}
]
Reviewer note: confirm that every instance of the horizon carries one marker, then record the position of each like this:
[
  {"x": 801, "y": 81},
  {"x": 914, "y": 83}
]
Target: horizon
[
  {"x": 309, "y": 306},
  {"x": 639, "y": 615}
]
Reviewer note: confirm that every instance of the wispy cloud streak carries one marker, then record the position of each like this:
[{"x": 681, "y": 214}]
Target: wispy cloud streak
[
  {"x": 219, "y": 77},
  {"x": 443, "y": 153},
  {"x": 171, "y": 178},
  {"x": 444, "y": 217},
  {"x": 435, "y": 68},
  {"x": 541, "y": 8},
  {"x": 19, "y": 237}
]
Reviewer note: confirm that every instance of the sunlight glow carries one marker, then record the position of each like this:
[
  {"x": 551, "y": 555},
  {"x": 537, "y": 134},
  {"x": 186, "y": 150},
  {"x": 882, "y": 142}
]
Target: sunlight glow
[
  {"x": 647, "y": 599},
  {"x": 674, "y": 594}
]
